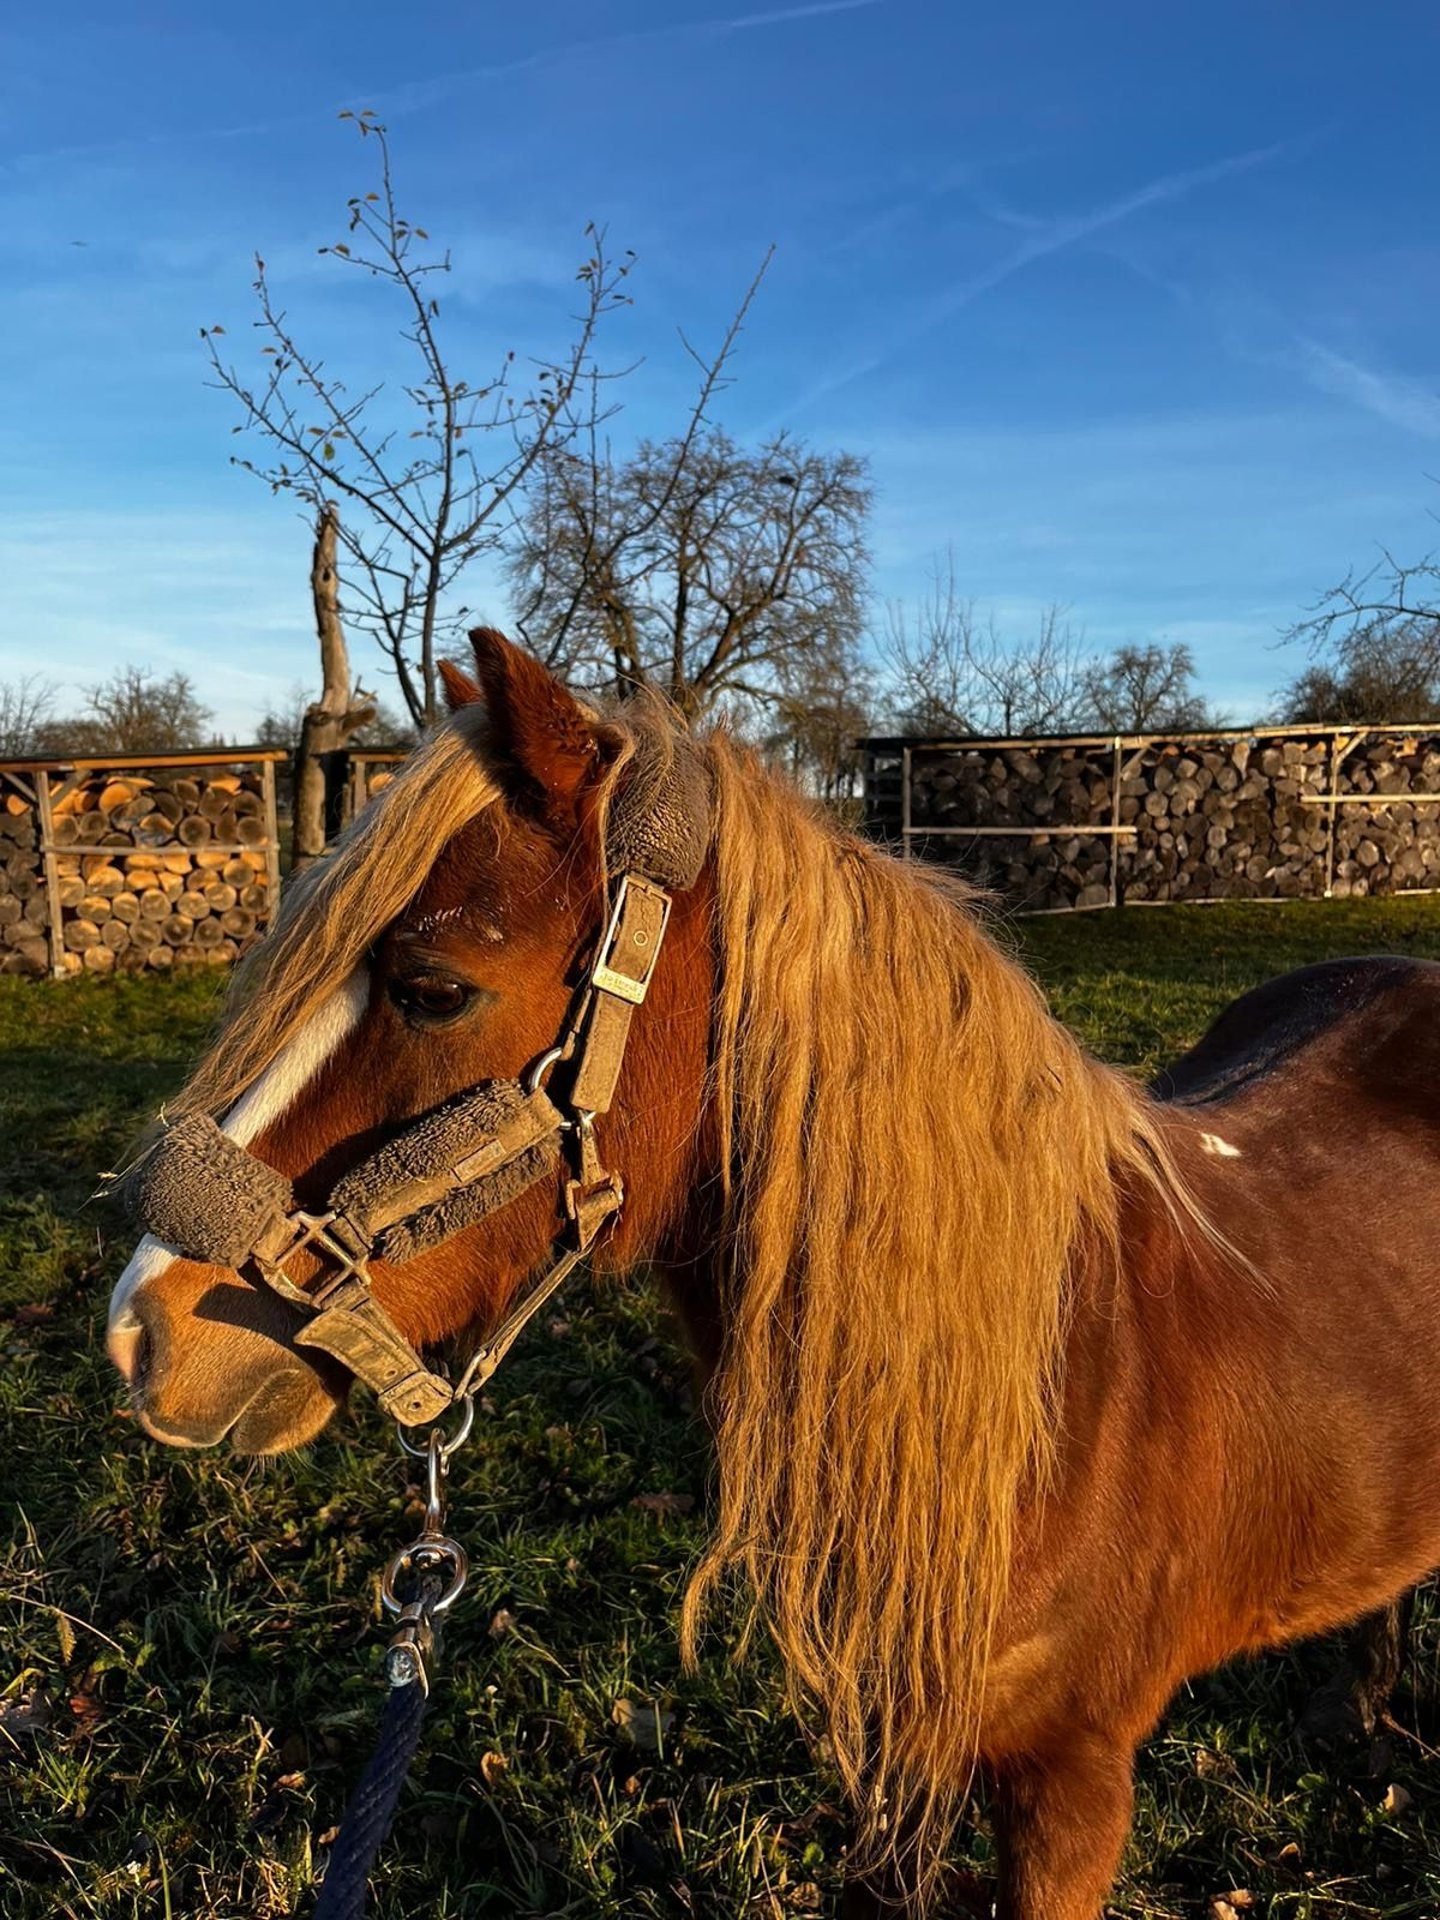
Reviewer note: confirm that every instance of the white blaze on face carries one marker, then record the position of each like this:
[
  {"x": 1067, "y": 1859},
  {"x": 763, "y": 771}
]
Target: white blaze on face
[
  {"x": 297, "y": 1063},
  {"x": 288, "y": 1074}
]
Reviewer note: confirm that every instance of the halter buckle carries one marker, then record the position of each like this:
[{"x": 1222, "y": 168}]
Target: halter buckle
[{"x": 645, "y": 944}]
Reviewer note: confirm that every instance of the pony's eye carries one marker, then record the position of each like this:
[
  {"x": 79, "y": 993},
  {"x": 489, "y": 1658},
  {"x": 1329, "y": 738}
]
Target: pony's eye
[{"x": 431, "y": 999}]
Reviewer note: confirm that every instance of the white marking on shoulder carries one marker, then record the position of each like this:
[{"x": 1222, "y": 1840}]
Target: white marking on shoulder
[
  {"x": 1222, "y": 1149},
  {"x": 149, "y": 1259},
  {"x": 297, "y": 1062}
]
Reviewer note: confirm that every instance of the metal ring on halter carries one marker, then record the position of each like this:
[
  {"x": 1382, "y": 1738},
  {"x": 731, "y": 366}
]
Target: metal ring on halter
[
  {"x": 535, "y": 1075},
  {"x": 447, "y": 1447}
]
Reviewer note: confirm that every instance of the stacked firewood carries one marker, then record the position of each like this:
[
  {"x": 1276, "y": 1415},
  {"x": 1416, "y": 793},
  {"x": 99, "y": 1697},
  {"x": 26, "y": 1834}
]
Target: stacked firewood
[
  {"x": 24, "y": 903},
  {"x": 1238, "y": 819},
  {"x": 1389, "y": 841},
  {"x": 151, "y": 872},
  {"x": 1203, "y": 819},
  {"x": 1068, "y": 786}
]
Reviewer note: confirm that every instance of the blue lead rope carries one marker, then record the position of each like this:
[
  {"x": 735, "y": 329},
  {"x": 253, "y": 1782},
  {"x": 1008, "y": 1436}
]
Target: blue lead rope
[
  {"x": 371, "y": 1812},
  {"x": 419, "y": 1585}
]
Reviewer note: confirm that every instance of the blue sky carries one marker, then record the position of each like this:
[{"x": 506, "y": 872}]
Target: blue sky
[{"x": 1133, "y": 306}]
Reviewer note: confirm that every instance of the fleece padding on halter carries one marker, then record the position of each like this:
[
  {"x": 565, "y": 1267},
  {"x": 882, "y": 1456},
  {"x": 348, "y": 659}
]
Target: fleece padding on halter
[
  {"x": 433, "y": 1180},
  {"x": 660, "y": 817},
  {"x": 206, "y": 1195}
]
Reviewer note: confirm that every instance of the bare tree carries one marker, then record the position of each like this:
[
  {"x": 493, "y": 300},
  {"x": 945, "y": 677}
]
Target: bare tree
[
  {"x": 820, "y": 709},
  {"x": 1148, "y": 689},
  {"x": 694, "y": 565},
  {"x": 26, "y": 705},
  {"x": 1380, "y": 671},
  {"x": 329, "y": 723},
  {"x": 950, "y": 670},
  {"x": 429, "y": 481},
  {"x": 134, "y": 711},
  {"x": 1388, "y": 595},
  {"x": 280, "y": 724},
  {"x": 1374, "y": 642}
]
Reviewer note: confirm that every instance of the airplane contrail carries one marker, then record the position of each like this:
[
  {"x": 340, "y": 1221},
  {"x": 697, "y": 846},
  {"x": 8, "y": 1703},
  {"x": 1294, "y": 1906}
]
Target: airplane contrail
[{"x": 1053, "y": 238}]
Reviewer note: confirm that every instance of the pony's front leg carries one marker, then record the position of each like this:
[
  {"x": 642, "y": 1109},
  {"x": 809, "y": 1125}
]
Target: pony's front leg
[{"x": 1060, "y": 1828}]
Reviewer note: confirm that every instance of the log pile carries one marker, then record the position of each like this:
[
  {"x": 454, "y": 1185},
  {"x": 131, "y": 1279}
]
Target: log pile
[
  {"x": 1068, "y": 787},
  {"x": 1208, "y": 818},
  {"x": 149, "y": 872},
  {"x": 1387, "y": 843},
  {"x": 24, "y": 902},
  {"x": 1241, "y": 819}
]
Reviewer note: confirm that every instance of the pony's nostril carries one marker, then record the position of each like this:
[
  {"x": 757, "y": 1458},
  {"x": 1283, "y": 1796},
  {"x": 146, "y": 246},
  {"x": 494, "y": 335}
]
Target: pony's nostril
[{"x": 130, "y": 1349}]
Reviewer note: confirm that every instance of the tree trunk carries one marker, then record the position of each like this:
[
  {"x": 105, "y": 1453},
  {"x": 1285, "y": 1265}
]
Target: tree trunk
[{"x": 330, "y": 721}]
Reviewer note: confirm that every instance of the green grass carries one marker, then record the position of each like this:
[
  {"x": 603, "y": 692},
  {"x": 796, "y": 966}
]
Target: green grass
[{"x": 189, "y": 1645}]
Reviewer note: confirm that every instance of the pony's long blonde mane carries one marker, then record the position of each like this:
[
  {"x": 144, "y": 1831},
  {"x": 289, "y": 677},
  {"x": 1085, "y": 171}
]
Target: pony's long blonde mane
[{"x": 918, "y": 1153}]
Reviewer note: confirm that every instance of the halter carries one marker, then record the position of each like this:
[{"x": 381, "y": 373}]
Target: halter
[{"x": 204, "y": 1193}]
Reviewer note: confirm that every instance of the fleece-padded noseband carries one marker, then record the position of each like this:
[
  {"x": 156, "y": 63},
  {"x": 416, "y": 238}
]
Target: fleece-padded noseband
[
  {"x": 433, "y": 1180},
  {"x": 202, "y": 1192}
]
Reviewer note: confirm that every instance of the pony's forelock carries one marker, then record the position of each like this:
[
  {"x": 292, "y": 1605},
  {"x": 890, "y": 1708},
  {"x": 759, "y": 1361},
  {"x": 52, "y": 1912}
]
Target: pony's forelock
[{"x": 335, "y": 911}]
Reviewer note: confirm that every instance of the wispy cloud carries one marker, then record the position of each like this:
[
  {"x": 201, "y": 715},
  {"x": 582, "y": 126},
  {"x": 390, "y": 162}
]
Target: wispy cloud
[
  {"x": 412, "y": 96},
  {"x": 422, "y": 93},
  {"x": 1041, "y": 240},
  {"x": 1395, "y": 397},
  {"x": 779, "y": 16}
]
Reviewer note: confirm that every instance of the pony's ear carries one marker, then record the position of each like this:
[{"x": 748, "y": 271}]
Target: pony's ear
[
  {"x": 556, "y": 747},
  {"x": 460, "y": 689}
]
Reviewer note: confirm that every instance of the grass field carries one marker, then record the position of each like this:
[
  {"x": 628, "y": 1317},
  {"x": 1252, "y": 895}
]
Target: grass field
[{"x": 190, "y": 1644}]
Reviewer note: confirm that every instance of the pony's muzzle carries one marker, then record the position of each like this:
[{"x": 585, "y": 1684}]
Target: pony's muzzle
[
  {"x": 207, "y": 1357},
  {"x": 127, "y": 1341}
]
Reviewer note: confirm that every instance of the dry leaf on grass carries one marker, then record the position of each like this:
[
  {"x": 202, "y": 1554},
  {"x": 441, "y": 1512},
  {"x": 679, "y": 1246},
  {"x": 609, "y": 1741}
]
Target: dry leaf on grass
[
  {"x": 664, "y": 1503},
  {"x": 25, "y": 1712},
  {"x": 645, "y": 1722},
  {"x": 86, "y": 1708}
]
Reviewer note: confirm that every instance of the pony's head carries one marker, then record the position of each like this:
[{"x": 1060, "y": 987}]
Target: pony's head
[{"x": 439, "y": 948}]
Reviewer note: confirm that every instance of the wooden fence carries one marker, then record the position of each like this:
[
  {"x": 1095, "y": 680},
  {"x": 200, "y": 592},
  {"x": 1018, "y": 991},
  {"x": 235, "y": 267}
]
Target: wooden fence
[{"x": 1096, "y": 820}]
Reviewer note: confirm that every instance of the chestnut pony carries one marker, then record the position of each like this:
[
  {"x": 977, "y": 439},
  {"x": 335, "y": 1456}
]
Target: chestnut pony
[{"x": 1032, "y": 1393}]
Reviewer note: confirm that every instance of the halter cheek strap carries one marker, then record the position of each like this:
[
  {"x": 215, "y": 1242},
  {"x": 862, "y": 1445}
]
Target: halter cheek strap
[{"x": 204, "y": 1193}]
